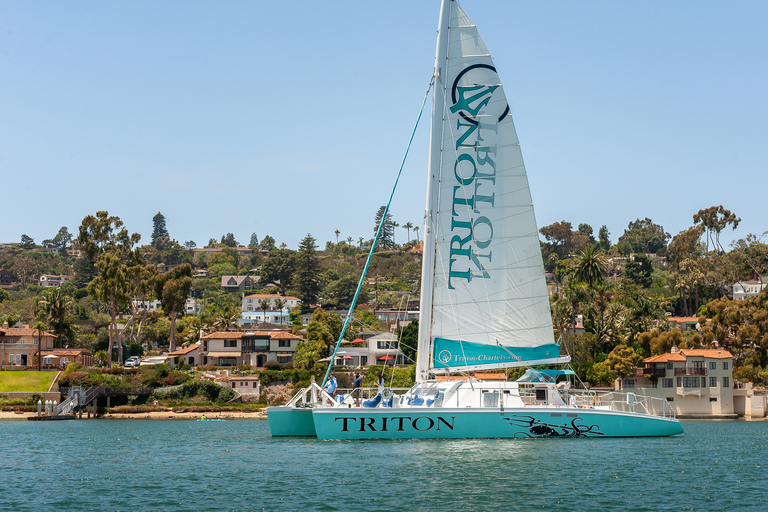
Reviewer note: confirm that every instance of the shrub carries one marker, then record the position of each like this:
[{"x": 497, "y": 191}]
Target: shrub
[
  {"x": 277, "y": 395},
  {"x": 203, "y": 391},
  {"x": 272, "y": 365}
]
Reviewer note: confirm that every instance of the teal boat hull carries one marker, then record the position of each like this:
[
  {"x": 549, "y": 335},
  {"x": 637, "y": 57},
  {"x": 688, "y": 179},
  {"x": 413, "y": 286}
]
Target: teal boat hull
[
  {"x": 285, "y": 421},
  {"x": 418, "y": 423}
]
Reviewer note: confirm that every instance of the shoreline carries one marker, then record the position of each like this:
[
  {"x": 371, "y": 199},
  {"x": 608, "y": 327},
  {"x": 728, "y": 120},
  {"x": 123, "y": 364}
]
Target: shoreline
[{"x": 154, "y": 415}]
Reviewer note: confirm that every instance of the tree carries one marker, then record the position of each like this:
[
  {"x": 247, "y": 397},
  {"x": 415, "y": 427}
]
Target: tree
[
  {"x": 387, "y": 236},
  {"x": 56, "y": 307},
  {"x": 278, "y": 269},
  {"x": 685, "y": 245},
  {"x": 645, "y": 236},
  {"x": 99, "y": 234},
  {"x": 416, "y": 232},
  {"x": 639, "y": 270},
  {"x": 264, "y": 305},
  {"x": 172, "y": 289},
  {"x": 715, "y": 219},
  {"x": 590, "y": 266},
  {"x": 341, "y": 291},
  {"x": 622, "y": 362},
  {"x": 159, "y": 230},
  {"x": 226, "y": 319},
  {"x": 109, "y": 288},
  {"x": 27, "y": 268},
  {"x": 407, "y": 226},
  {"x": 586, "y": 230},
  {"x": 279, "y": 305},
  {"x": 409, "y": 340},
  {"x": 62, "y": 240},
  {"x": 85, "y": 271},
  {"x": 604, "y": 237},
  {"x": 267, "y": 244},
  {"x": 229, "y": 240},
  {"x": 254, "y": 243},
  {"x": 139, "y": 284},
  {"x": 189, "y": 245},
  {"x": 337, "y": 232},
  {"x": 307, "y": 274},
  {"x": 27, "y": 242}
]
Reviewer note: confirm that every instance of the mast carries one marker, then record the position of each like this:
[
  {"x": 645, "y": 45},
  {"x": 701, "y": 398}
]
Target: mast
[{"x": 435, "y": 145}]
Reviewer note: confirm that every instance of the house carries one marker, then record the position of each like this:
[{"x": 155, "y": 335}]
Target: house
[
  {"x": 207, "y": 251},
  {"x": 243, "y": 384},
  {"x": 253, "y": 313},
  {"x": 186, "y": 355},
  {"x": 191, "y": 306},
  {"x": 373, "y": 347},
  {"x": 7, "y": 279},
  {"x": 752, "y": 288},
  {"x": 236, "y": 283},
  {"x": 694, "y": 382},
  {"x": 396, "y": 317},
  {"x": 52, "y": 281},
  {"x": 19, "y": 345},
  {"x": 253, "y": 348},
  {"x": 61, "y": 357},
  {"x": 684, "y": 323}
]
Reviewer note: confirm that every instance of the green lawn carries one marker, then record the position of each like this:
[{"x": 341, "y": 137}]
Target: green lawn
[{"x": 28, "y": 381}]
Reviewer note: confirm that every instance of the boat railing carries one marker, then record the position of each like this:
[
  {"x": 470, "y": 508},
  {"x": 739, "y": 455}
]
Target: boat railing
[
  {"x": 313, "y": 395},
  {"x": 621, "y": 401}
]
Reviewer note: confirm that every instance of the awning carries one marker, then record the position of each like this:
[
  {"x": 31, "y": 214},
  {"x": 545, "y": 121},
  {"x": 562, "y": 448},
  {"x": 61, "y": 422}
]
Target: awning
[
  {"x": 284, "y": 355},
  {"x": 347, "y": 357},
  {"x": 51, "y": 357},
  {"x": 224, "y": 354},
  {"x": 324, "y": 360}
]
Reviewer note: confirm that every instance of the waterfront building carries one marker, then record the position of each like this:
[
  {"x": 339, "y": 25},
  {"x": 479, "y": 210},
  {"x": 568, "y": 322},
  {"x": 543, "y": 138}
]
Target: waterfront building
[
  {"x": 253, "y": 348},
  {"x": 695, "y": 382},
  {"x": 19, "y": 345},
  {"x": 253, "y": 313},
  {"x": 372, "y": 347}
]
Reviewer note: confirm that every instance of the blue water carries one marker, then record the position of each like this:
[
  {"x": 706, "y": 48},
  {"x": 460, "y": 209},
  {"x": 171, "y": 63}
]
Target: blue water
[{"x": 178, "y": 465}]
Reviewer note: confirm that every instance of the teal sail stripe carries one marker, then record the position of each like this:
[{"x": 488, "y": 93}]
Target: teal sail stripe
[
  {"x": 457, "y": 354},
  {"x": 376, "y": 239}
]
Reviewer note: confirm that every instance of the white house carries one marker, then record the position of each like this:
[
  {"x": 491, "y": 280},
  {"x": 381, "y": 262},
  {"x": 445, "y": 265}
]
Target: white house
[
  {"x": 232, "y": 348},
  {"x": 744, "y": 289},
  {"x": 253, "y": 313},
  {"x": 381, "y": 348},
  {"x": 52, "y": 281}
]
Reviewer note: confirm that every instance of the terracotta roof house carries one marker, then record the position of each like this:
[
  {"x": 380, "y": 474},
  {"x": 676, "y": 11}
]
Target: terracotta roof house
[
  {"x": 253, "y": 348},
  {"x": 694, "y": 382},
  {"x": 19, "y": 345},
  {"x": 187, "y": 355}
]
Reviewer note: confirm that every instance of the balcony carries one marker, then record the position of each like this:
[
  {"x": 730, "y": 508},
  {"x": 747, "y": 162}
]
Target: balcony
[
  {"x": 691, "y": 371},
  {"x": 652, "y": 372}
]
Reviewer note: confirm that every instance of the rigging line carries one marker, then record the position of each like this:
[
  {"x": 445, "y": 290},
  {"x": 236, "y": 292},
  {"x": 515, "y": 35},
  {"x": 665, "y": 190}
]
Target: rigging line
[{"x": 378, "y": 234}]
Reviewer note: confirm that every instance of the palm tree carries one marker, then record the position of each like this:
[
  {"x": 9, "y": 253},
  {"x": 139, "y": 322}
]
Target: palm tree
[
  {"x": 39, "y": 326},
  {"x": 590, "y": 266},
  {"x": 408, "y": 227},
  {"x": 337, "y": 236},
  {"x": 55, "y": 304},
  {"x": 416, "y": 232},
  {"x": 394, "y": 225},
  {"x": 279, "y": 305},
  {"x": 264, "y": 305},
  {"x": 226, "y": 319}
]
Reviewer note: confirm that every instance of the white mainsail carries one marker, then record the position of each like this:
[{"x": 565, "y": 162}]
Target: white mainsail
[{"x": 489, "y": 302}]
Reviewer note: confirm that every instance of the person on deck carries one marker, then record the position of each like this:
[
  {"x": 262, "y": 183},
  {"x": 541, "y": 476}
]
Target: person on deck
[
  {"x": 380, "y": 383},
  {"x": 331, "y": 385},
  {"x": 357, "y": 388}
]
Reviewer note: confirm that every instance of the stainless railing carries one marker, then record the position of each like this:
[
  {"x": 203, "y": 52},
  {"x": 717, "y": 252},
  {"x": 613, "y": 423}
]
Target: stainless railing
[{"x": 620, "y": 401}]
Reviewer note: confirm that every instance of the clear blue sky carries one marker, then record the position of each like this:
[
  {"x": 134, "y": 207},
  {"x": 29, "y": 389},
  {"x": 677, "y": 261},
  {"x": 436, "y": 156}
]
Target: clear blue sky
[{"x": 287, "y": 118}]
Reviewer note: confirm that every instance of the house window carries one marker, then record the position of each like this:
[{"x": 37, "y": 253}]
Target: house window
[
  {"x": 230, "y": 343},
  {"x": 713, "y": 382},
  {"x": 713, "y": 399},
  {"x": 284, "y": 343},
  {"x": 670, "y": 399},
  {"x": 670, "y": 366},
  {"x": 679, "y": 382},
  {"x": 725, "y": 365},
  {"x": 667, "y": 383},
  {"x": 630, "y": 383},
  {"x": 712, "y": 365},
  {"x": 703, "y": 382},
  {"x": 726, "y": 382},
  {"x": 687, "y": 382}
]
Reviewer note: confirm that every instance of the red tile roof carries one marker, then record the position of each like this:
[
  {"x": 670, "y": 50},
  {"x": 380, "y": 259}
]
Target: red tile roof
[
  {"x": 686, "y": 352},
  {"x": 184, "y": 350},
  {"x": 22, "y": 331}
]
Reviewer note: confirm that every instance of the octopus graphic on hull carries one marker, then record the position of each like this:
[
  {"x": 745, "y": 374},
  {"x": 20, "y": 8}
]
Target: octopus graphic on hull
[{"x": 539, "y": 428}]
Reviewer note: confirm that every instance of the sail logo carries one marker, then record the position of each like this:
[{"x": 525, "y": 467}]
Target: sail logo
[
  {"x": 395, "y": 423},
  {"x": 445, "y": 356},
  {"x": 474, "y": 171}
]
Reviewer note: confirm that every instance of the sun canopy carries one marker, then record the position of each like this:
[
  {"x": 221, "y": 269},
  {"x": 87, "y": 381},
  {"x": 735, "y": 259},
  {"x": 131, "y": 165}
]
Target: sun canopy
[{"x": 543, "y": 375}]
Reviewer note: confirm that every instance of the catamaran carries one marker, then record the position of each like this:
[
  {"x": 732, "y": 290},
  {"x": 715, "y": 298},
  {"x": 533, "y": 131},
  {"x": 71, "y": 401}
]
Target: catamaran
[{"x": 484, "y": 302}]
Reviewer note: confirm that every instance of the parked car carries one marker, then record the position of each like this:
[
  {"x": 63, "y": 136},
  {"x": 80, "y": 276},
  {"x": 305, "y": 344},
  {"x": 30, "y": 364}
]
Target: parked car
[{"x": 133, "y": 362}]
